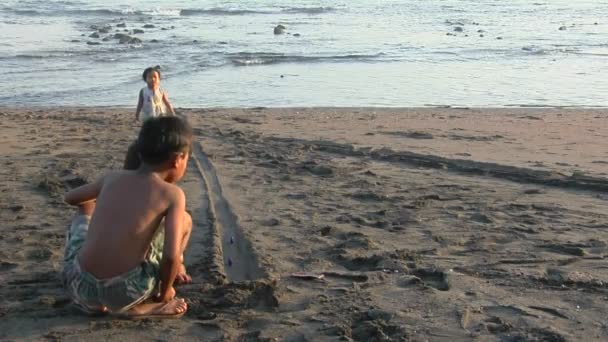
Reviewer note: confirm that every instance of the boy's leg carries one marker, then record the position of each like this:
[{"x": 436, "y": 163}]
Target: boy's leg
[
  {"x": 77, "y": 230},
  {"x": 86, "y": 208},
  {"x": 182, "y": 276},
  {"x": 71, "y": 272},
  {"x": 156, "y": 249}
]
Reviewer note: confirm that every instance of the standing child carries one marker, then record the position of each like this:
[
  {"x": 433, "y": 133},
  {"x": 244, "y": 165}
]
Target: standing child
[
  {"x": 117, "y": 254},
  {"x": 153, "y": 100}
]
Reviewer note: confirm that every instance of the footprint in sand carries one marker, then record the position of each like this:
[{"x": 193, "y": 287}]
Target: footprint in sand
[
  {"x": 41, "y": 254},
  {"x": 6, "y": 266},
  {"x": 434, "y": 278}
]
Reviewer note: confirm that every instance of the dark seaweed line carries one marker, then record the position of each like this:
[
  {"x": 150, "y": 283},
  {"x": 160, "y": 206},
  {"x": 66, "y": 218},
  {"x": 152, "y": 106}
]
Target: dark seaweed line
[{"x": 466, "y": 167}]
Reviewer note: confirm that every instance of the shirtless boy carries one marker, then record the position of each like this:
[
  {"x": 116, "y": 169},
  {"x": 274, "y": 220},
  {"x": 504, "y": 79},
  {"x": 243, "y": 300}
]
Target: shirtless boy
[{"x": 117, "y": 252}]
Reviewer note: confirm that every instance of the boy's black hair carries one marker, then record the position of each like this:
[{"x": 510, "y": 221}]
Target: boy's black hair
[
  {"x": 159, "y": 138},
  {"x": 148, "y": 70}
]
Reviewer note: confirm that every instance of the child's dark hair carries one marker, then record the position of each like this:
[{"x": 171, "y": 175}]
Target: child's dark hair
[
  {"x": 150, "y": 69},
  {"x": 161, "y": 137}
]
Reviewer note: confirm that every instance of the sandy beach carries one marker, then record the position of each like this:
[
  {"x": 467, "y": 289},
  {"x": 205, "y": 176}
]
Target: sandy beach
[{"x": 319, "y": 224}]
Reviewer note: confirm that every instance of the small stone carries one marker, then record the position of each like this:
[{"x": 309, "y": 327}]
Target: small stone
[
  {"x": 121, "y": 25},
  {"x": 47, "y": 300},
  {"x": 408, "y": 280},
  {"x": 325, "y": 230},
  {"x": 207, "y": 316},
  {"x": 382, "y": 315},
  {"x": 271, "y": 222},
  {"x": 17, "y": 207},
  {"x": 279, "y": 29}
]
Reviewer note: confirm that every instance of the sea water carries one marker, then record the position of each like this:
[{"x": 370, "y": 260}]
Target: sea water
[{"x": 332, "y": 53}]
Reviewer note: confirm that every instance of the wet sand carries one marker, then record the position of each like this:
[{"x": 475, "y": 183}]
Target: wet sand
[{"x": 422, "y": 224}]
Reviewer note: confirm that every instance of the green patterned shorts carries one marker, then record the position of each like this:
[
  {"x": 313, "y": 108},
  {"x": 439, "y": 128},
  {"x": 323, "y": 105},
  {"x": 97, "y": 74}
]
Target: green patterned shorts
[{"x": 119, "y": 293}]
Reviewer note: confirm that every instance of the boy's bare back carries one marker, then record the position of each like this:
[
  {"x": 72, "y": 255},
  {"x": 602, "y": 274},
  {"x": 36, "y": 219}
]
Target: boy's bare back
[{"x": 130, "y": 207}]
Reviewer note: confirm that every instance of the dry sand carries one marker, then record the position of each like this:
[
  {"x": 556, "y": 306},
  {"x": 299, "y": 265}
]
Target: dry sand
[{"x": 426, "y": 224}]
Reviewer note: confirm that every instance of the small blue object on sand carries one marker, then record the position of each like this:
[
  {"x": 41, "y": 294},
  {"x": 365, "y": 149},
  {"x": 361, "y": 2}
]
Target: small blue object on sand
[{"x": 231, "y": 240}]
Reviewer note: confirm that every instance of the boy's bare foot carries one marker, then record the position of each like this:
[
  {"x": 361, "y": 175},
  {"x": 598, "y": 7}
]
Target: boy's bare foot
[
  {"x": 182, "y": 276},
  {"x": 175, "y": 308}
]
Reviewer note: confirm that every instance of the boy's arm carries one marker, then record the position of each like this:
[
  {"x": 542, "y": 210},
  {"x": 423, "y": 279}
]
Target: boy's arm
[
  {"x": 171, "y": 259},
  {"x": 168, "y": 103},
  {"x": 84, "y": 193},
  {"x": 140, "y": 103}
]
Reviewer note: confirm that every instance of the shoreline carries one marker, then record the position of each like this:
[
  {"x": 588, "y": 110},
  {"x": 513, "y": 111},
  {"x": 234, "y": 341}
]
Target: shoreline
[
  {"x": 409, "y": 245},
  {"x": 429, "y": 106}
]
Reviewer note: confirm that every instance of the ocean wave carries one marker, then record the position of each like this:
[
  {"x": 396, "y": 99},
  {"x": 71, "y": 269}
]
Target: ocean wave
[
  {"x": 163, "y": 11},
  {"x": 226, "y": 11},
  {"x": 220, "y": 11},
  {"x": 25, "y": 12},
  {"x": 99, "y": 52},
  {"x": 537, "y": 50},
  {"x": 263, "y": 58},
  {"x": 76, "y": 12},
  {"x": 308, "y": 10}
]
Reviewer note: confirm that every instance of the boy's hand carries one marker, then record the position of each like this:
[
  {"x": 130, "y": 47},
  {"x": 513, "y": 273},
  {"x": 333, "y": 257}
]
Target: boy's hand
[{"x": 167, "y": 296}]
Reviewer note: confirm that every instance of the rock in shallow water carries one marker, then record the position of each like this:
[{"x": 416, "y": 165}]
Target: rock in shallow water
[{"x": 279, "y": 29}]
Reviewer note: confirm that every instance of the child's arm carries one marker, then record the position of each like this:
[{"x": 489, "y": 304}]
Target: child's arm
[
  {"x": 84, "y": 193},
  {"x": 140, "y": 103},
  {"x": 171, "y": 260},
  {"x": 168, "y": 103}
]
